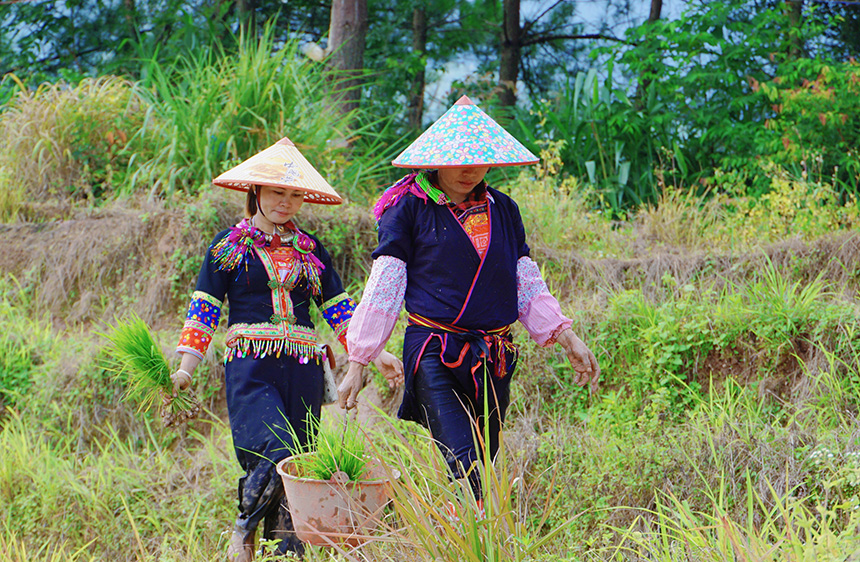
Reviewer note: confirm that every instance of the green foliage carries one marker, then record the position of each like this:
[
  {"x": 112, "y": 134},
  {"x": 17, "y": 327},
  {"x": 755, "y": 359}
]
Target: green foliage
[
  {"x": 608, "y": 141},
  {"x": 87, "y": 37},
  {"x": 702, "y": 73},
  {"x": 25, "y": 344},
  {"x": 670, "y": 346},
  {"x": 211, "y": 109},
  {"x": 814, "y": 122},
  {"x": 699, "y": 67},
  {"x": 557, "y": 213},
  {"x": 66, "y": 141}
]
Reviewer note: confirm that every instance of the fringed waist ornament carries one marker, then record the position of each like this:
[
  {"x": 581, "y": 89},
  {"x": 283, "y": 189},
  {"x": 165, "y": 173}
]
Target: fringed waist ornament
[{"x": 261, "y": 340}]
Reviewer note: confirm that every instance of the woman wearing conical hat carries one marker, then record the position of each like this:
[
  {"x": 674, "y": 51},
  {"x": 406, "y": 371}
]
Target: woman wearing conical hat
[
  {"x": 454, "y": 250},
  {"x": 270, "y": 271}
]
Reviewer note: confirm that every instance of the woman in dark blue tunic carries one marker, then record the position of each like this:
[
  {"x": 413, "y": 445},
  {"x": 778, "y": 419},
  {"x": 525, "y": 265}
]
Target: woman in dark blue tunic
[
  {"x": 270, "y": 272},
  {"x": 454, "y": 250}
]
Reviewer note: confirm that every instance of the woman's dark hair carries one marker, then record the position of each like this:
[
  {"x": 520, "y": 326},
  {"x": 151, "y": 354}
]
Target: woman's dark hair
[{"x": 251, "y": 205}]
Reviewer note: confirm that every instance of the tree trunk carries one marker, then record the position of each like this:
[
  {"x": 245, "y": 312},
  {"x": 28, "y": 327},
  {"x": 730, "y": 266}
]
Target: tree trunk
[
  {"x": 656, "y": 10},
  {"x": 419, "y": 47},
  {"x": 130, "y": 18},
  {"x": 794, "y": 10},
  {"x": 246, "y": 12},
  {"x": 346, "y": 38},
  {"x": 509, "y": 65}
]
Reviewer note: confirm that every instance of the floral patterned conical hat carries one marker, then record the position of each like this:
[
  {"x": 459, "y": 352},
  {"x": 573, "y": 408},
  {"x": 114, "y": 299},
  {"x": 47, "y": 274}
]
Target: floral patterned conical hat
[
  {"x": 280, "y": 165},
  {"x": 463, "y": 137}
]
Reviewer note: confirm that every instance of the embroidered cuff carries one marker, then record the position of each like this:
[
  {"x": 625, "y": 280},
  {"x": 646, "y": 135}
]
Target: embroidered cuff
[
  {"x": 204, "y": 313},
  {"x": 337, "y": 313}
]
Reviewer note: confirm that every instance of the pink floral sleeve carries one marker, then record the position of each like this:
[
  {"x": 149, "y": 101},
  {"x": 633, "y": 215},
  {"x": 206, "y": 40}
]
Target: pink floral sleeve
[
  {"x": 538, "y": 310},
  {"x": 377, "y": 313}
]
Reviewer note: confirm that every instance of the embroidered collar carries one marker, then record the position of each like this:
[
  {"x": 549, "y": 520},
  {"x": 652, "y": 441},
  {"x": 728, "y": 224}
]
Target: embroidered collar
[
  {"x": 231, "y": 250},
  {"x": 476, "y": 196},
  {"x": 417, "y": 184}
]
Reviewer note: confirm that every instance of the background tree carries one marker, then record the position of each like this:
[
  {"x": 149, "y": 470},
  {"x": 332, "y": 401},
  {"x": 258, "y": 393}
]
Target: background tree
[
  {"x": 419, "y": 49},
  {"x": 346, "y": 42}
]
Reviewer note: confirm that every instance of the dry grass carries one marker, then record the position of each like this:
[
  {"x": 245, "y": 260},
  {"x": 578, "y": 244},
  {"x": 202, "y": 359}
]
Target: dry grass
[
  {"x": 102, "y": 262},
  {"x": 62, "y": 141}
]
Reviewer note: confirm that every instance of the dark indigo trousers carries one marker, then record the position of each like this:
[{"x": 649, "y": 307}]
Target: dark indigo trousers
[
  {"x": 264, "y": 397},
  {"x": 453, "y": 410}
]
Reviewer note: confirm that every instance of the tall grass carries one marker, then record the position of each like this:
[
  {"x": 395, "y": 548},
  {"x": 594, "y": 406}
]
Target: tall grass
[
  {"x": 66, "y": 141},
  {"x": 209, "y": 110},
  {"x": 123, "y": 500},
  {"x": 26, "y": 343},
  {"x": 423, "y": 526}
]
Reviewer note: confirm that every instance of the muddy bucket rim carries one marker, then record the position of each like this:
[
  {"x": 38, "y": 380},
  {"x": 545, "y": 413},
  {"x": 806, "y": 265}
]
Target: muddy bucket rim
[{"x": 374, "y": 465}]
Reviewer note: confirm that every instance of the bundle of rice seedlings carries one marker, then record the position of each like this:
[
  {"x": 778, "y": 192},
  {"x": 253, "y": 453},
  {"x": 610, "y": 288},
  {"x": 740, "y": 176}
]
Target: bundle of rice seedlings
[
  {"x": 329, "y": 450},
  {"x": 337, "y": 451},
  {"x": 138, "y": 361}
]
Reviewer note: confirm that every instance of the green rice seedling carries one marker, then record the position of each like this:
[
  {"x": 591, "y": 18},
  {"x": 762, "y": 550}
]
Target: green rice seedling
[
  {"x": 338, "y": 450},
  {"x": 331, "y": 448},
  {"x": 139, "y": 361}
]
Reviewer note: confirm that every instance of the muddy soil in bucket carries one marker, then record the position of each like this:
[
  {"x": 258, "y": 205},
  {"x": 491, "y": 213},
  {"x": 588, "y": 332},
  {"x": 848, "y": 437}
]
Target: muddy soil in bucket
[{"x": 336, "y": 511}]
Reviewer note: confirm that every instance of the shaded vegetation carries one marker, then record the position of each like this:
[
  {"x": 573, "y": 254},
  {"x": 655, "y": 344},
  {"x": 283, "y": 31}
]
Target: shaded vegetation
[{"x": 708, "y": 252}]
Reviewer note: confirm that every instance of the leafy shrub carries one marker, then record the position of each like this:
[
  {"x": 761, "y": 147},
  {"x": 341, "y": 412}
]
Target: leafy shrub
[
  {"x": 728, "y": 218},
  {"x": 605, "y": 139},
  {"x": 814, "y": 126},
  {"x": 25, "y": 344},
  {"x": 68, "y": 141}
]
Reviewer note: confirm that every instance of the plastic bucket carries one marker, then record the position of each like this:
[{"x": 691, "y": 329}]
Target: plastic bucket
[{"x": 336, "y": 511}]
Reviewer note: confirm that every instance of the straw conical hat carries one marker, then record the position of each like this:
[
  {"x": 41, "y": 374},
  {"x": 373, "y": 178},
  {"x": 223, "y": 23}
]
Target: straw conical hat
[
  {"x": 464, "y": 136},
  {"x": 280, "y": 165}
]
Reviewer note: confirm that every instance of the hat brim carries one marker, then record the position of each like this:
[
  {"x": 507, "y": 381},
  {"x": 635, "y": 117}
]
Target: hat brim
[
  {"x": 283, "y": 166},
  {"x": 311, "y": 196},
  {"x": 455, "y": 166}
]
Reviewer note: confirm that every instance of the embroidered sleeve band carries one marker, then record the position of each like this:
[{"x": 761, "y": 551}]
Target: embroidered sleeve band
[
  {"x": 337, "y": 313},
  {"x": 538, "y": 310},
  {"x": 378, "y": 311},
  {"x": 204, "y": 312}
]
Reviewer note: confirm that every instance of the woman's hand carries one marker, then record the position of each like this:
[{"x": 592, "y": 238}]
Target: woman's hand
[
  {"x": 181, "y": 380},
  {"x": 350, "y": 386},
  {"x": 581, "y": 359},
  {"x": 391, "y": 368}
]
